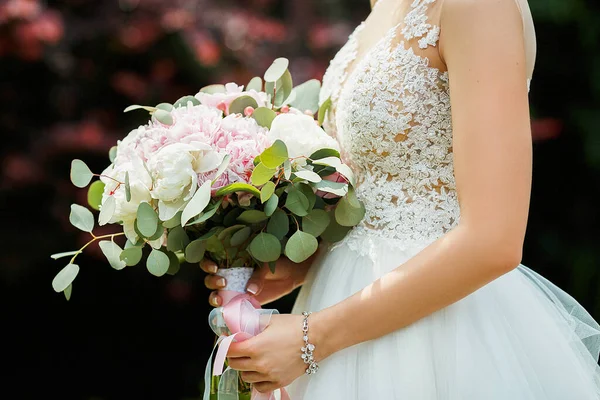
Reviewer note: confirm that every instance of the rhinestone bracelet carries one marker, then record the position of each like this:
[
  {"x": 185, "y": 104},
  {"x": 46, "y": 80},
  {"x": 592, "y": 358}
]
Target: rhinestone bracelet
[{"x": 308, "y": 348}]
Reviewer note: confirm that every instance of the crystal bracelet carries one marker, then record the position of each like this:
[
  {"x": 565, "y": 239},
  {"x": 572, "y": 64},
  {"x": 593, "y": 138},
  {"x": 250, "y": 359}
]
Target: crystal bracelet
[{"x": 308, "y": 348}]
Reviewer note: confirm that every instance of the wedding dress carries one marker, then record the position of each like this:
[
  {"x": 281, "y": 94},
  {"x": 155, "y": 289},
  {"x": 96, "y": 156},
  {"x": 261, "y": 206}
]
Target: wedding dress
[{"x": 517, "y": 338}]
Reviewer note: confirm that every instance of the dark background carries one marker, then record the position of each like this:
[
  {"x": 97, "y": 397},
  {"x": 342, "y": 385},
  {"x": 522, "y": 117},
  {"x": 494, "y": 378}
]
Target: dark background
[{"x": 69, "y": 68}]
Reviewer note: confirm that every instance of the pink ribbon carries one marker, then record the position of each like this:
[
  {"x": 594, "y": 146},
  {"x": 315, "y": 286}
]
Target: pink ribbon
[{"x": 244, "y": 318}]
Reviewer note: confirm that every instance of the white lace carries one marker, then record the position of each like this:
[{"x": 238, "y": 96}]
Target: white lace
[{"x": 393, "y": 120}]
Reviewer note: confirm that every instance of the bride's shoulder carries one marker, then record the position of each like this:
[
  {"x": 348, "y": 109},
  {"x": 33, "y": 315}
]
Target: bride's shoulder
[{"x": 495, "y": 12}]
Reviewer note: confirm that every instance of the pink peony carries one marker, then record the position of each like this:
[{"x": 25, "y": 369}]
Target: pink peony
[{"x": 232, "y": 92}]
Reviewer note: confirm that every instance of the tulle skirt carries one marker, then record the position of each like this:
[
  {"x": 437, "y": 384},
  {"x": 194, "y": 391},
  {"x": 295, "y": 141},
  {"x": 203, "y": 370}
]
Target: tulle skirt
[{"x": 518, "y": 338}]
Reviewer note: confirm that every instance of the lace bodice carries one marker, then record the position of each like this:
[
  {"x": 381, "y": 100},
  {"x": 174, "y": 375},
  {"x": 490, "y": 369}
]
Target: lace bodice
[{"x": 391, "y": 115}]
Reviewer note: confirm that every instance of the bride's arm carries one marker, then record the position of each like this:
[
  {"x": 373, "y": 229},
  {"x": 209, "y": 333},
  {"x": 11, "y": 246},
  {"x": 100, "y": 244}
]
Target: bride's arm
[{"x": 482, "y": 45}]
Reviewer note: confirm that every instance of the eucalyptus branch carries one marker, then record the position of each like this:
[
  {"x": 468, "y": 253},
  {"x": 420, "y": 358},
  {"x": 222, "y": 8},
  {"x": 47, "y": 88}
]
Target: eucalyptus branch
[{"x": 95, "y": 238}]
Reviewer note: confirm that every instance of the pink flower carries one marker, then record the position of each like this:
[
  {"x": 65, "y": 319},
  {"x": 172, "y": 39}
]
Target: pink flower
[{"x": 232, "y": 92}]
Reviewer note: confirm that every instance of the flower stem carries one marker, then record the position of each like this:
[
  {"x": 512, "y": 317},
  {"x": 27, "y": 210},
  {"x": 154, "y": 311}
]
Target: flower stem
[{"x": 94, "y": 238}]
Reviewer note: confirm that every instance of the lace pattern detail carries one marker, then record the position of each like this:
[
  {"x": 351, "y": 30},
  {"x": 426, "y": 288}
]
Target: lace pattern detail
[{"x": 416, "y": 25}]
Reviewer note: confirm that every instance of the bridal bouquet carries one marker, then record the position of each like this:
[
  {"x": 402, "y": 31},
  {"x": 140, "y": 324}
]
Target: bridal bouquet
[{"x": 238, "y": 175}]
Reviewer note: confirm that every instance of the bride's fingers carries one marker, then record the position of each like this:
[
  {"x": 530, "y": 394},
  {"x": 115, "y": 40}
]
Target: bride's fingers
[
  {"x": 214, "y": 282},
  {"x": 241, "y": 364},
  {"x": 264, "y": 387},
  {"x": 252, "y": 376},
  {"x": 208, "y": 266},
  {"x": 215, "y": 300}
]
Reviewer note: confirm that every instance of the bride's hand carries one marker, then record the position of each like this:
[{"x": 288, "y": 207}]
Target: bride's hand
[
  {"x": 265, "y": 285},
  {"x": 271, "y": 360}
]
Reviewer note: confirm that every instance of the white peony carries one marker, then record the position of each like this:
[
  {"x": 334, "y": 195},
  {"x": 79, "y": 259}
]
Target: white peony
[
  {"x": 301, "y": 135},
  {"x": 175, "y": 170}
]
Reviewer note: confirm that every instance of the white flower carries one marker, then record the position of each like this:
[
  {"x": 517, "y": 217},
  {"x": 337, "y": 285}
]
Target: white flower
[
  {"x": 301, "y": 135},
  {"x": 175, "y": 170}
]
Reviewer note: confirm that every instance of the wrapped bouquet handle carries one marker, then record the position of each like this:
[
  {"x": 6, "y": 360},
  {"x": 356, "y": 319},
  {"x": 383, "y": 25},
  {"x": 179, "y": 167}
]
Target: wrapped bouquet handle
[{"x": 241, "y": 317}]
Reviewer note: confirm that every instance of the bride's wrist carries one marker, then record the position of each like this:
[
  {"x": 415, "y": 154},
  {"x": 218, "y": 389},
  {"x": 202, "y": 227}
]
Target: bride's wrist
[{"x": 324, "y": 335}]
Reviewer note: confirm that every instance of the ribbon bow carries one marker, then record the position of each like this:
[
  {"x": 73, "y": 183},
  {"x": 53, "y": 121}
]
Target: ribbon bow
[{"x": 239, "y": 319}]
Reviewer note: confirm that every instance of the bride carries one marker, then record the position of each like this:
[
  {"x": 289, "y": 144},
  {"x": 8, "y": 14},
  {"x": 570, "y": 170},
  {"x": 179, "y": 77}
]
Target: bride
[{"x": 426, "y": 299}]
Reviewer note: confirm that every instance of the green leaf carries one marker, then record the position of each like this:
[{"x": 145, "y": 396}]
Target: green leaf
[
  {"x": 334, "y": 232},
  {"x": 194, "y": 252},
  {"x": 229, "y": 231},
  {"x": 315, "y": 222},
  {"x": 208, "y": 213},
  {"x": 275, "y": 155},
  {"x": 264, "y": 116},
  {"x": 347, "y": 172},
  {"x": 297, "y": 202},
  {"x": 349, "y": 210},
  {"x": 240, "y": 236},
  {"x": 307, "y": 190},
  {"x": 197, "y": 204},
  {"x": 308, "y": 175},
  {"x": 157, "y": 263},
  {"x": 262, "y": 174},
  {"x": 81, "y": 175},
  {"x": 177, "y": 239},
  {"x": 68, "y": 292},
  {"x": 81, "y": 218},
  {"x": 238, "y": 105},
  {"x": 276, "y": 70},
  {"x": 174, "y": 264},
  {"x": 267, "y": 191},
  {"x": 56, "y": 256},
  {"x": 265, "y": 247},
  {"x": 329, "y": 162},
  {"x": 307, "y": 96},
  {"x": 271, "y": 205},
  {"x": 165, "y": 106},
  {"x": 231, "y": 218},
  {"x": 337, "y": 188},
  {"x": 183, "y": 102},
  {"x": 252, "y": 217},
  {"x": 255, "y": 84},
  {"x": 131, "y": 256},
  {"x": 222, "y": 167},
  {"x": 65, "y": 277},
  {"x": 237, "y": 187},
  {"x": 112, "y": 153},
  {"x": 287, "y": 169},
  {"x": 285, "y": 85},
  {"x": 323, "y": 110},
  {"x": 212, "y": 89},
  {"x": 173, "y": 222},
  {"x": 279, "y": 224},
  {"x": 146, "y": 220},
  {"x": 127, "y": 187},
  {"x": 301, "y": 246},
  {"x": 164, "y": 117},
  {"x": 107, "y": 210},
  {"x": 94, "y": 195},
  {"x": 324, "y": 153},
  {"x": 112, "y": 252},
  {"x": 138, "y": 107}
]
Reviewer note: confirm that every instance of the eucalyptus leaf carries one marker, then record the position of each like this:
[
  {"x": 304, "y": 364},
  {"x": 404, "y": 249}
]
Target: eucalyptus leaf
[
  {"x": 275, "y": 155},
  {"x": 165, "y": 106},
  {"x": 157, "y": 263},
  {"x": 56, "y": 256},
  {"x": 197, "y": 204},
  {"x": 349, "y": 210},
  {"x": 164, "y": 117},
  {"x": 264, "y": 116},
  {"x": 238, "y": 105},
  {"x": 183, "y": 101},
  {"x": 127, "y": 187},
  {"x": 255, "y": 84},
  {"x": 239, "y": 237},
  {"x": 285, "y": 85},
  {"x": 307, "y": 190},
  {"x": 146, "y": 219},
  {"x": 237, "y": 187},
  {"x": 131, "y": 256},
  {"x": 301, "y": 246},
  {"x": 265, "y": 247},
  {"x": 112, "y": 153},
  {"x": 68, "y": 291},
  {"x": 272, "y": 265},
  {"x": 279, "y": 224},
  {"x": 173, "y": 222},
  {"x": 324, "y": 153},
  {"x": 271, "y": 205},
  {"x": 297, "y": 202},
  {"x": 323, "y": 109},
  {"x": 94, "y": 195},
  {"x": 329, "y": 162},
  {"x": 336, "y": 188},
  {"x": 206, "y": 215},
  {"x": 174, "y": 264},
  {"x": 65, "y": 277},
  {"x": 81, "y": 218},
  {"x": 308, "y": 175},
  {"x": 262, "y": 174},
  {"x": 231, "y": 218},
  {"x": 252, "y": 216},
  {"x": 267, "y": 191},
  {"x": 276, "y": 70},
  {"x": 194, "y": 252},
  {"x": 107, "y": 210},
  {"x": 81, "y": 175},
  {"x": 229, "y": 231},
  {"x": 112, "y": 252},
  {"x": 212, "y": 89},
  {"x": 347, "y": 172},
  {"x": 315, "y": 222},
  {"x": 307, "y": 96},
  {"x": 287, "y": 169},
  {"x": 334, "y": 231},
  {"x": 177, "y": 239},
  {"x": 138, "y": 107},
  {"x": 222, "y": 167}
]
